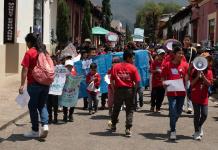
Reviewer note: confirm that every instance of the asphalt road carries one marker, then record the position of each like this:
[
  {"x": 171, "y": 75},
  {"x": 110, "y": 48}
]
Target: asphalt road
[{"x": 91, "y": 133}]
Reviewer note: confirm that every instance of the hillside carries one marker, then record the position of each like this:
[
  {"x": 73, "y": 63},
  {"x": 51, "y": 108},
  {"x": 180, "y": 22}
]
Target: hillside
[{"x": 125, "y": 10}]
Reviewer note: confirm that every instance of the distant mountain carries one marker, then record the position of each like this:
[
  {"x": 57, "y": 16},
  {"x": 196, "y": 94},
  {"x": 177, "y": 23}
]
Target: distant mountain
[{"x": 125, "y": 10}]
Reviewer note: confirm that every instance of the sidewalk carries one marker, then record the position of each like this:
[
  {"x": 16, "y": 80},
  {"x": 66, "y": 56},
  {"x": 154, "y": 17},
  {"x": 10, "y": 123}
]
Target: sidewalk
[{"x": 10, "y": 111}]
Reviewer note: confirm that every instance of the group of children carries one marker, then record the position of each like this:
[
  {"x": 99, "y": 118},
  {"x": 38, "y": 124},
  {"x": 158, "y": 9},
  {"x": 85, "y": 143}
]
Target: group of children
[{"x": 174, "y": 66}]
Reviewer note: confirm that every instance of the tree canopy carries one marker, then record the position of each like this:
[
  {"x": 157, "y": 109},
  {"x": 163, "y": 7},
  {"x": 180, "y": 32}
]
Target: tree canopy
[
  {"x": 107, "y": 15},
  {"x": 149, "y": 15}
]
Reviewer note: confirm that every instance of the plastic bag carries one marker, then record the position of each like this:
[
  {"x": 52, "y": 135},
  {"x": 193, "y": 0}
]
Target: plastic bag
[{"x": 23, "y": 99}]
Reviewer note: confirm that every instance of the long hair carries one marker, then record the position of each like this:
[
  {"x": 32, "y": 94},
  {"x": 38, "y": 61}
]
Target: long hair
[{"x": 35, "y": 41}]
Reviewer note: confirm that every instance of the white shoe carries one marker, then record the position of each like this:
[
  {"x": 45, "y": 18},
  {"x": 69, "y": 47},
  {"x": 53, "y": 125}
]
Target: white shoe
[
  {"x": 201, "y": 132},
  {"x": 31, "y": 134},
  {"x": 44, "y": 131},
  {"x": 172, "y": 135},
  {"x": 196, "y": 136}
]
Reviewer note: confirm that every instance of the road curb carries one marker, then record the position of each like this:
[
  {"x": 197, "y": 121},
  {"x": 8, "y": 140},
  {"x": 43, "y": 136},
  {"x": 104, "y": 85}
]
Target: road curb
[{"x": 14, "y": 120}]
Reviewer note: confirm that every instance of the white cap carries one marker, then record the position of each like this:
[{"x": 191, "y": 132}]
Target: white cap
[
  {"x": 69, "y": 63},
  {"x": 160, "y": 51},
  {"x": 88, "y": 40}
]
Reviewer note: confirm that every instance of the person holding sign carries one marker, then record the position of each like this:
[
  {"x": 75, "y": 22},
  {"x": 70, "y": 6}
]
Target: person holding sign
[
  {"x": 93, "y": 80},
  {"x": 173, "y": 75},
  {"x": 71, "y": 72}
]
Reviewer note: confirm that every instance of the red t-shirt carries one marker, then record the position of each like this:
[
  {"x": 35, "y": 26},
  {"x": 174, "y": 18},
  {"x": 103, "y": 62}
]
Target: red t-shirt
[
  {"x": 125, "y": 75},
  {"x": 156, "y": 77},
  {"x": 174, "y": 72},
  {"x": 199, "y": 91},
  {"x": 29, "y": 61}
]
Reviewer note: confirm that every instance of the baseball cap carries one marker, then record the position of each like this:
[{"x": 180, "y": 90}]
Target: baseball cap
[
  {"x": 69, "y": 63},
  {"x": 160, "y": 51},
  {"x": 88, "y": 40}
]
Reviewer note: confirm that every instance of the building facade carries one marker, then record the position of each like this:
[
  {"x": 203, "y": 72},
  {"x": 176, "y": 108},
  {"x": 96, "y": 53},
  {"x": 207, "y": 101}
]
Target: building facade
[
  {"x": 17, "y": 19},
  {"x": 204, "y": 22}
]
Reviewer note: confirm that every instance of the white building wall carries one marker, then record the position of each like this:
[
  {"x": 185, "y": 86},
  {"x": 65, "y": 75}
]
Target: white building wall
[
  {"x": 24, "y": 19},
  {"x": 53, "y": 16},
  {"x": 1, "y": 21},
  {"x": 46, "y": 22}
]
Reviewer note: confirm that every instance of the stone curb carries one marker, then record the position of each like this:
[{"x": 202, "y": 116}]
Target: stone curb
[{"x": 14, "y": 120}]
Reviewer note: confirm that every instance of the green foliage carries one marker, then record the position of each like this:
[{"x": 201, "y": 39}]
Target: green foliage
[
  {"x": 107, "y": 15},
  {"x": 169, "y": 29},
  {"x": 128, "y": 34},
  {"x": 62, "y": 30},
  {"x": 86, "y": 23},
  {"x": 149, "y": 15}
]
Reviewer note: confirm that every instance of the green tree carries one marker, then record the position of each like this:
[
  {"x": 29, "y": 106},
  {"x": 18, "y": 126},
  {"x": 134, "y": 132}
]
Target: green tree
[
  {"x": 169, "y": 29},
  {"x": 107, "y": 15},
  {"x": 149, "y": 15},
  {"x": 128, "y": 34},
  {"x": 62, "y": 30},
  {"x": 86, "y": 23}
]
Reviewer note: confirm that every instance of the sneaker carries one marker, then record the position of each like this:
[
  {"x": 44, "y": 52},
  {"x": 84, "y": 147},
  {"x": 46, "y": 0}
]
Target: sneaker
[
  {"x": 141, "y": 103},
  {"x": 196, "y": 136},
  {"x": 157, "y": 110},
  {"x": 71, "y": 119},
  {"x": 201, "y": 132},
  {"x": 128, "y": 133},
  {"x": 172, "y": 135},
  {"x": 113, "y": 128},
  {"x": 44, "y": 131},
  {"x": 90, "y": 112},
  {"x": 189, "y": 111},
  {"x": 152, "y": 109},
  {"x": 31, "y": 134}
]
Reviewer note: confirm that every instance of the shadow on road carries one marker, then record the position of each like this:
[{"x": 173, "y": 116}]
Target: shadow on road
[
  {"x": 215, "y": 118},
  {"x": 164, "y": 137},
  {"x": 20, "y": 137},
  {"x": 106, "y": 133},
  {"x": 82, "y": 113},
  {"x": 100, "y": 117}
]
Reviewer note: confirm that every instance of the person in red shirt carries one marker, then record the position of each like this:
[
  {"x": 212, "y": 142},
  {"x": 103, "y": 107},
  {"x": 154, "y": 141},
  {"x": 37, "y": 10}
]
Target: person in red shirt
[
  {"x": 174, "y": 70},
  {"x": 38, "y": 93},
  {"x": 93, "y": 80},
  {"x": 200, "y": 82},
  {"x": 158, "y": 91},
  {"x": 124, "y": 81}
]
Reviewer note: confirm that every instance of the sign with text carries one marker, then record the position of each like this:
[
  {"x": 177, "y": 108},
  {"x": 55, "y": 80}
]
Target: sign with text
[{"x": 9, "y": 21}]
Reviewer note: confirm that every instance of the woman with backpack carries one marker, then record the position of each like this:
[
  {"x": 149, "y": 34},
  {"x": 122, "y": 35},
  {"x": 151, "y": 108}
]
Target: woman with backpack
[{"x": 38, "y": 92}]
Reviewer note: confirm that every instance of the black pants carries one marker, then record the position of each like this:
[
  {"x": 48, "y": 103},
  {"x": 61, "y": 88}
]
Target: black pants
[
  {"x": 85, "y": 100},
  {"x": 104, "y": 96},
  {"x": 52, "y": 104},
  {"x": 200, "y": 115},
  {"x": 122, "y": 95},
  {"x": 65, "y": 111},
  {"x": 157, "y": 97},
  {"x": 93, "y": 102}
]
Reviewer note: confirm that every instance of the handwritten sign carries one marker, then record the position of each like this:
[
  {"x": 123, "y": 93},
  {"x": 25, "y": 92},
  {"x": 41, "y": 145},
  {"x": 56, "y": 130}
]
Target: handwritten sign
[
  {"x": 57, "y": 86},
  {"x": 70, "y": 93}
]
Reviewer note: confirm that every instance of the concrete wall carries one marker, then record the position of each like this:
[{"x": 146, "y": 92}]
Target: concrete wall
[
  {"x": 24, "y": 19},
  {"x": 1, "y": 21},
  {"x": 46, "y": 22}
]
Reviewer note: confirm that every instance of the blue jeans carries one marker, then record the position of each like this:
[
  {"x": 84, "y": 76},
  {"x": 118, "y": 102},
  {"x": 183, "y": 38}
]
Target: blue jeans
[
  {"x": 38, "y": 98},
  {"x": 175, "y": 108}
]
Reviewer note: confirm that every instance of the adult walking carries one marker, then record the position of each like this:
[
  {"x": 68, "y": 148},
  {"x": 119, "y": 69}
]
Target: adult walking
[
  {"x": 38, "y": 93},
  {"x": 175, "y": 70},
  {"x": 124, "y": 82},
  {"x": 190, "y": 53}
]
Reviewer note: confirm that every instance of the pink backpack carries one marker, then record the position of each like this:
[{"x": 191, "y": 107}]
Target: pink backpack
[{"x": 44, "y": 72}]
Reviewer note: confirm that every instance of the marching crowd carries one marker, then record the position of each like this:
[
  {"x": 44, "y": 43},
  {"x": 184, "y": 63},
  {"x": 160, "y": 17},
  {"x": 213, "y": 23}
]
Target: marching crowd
[{"x": 168, "y": 67}]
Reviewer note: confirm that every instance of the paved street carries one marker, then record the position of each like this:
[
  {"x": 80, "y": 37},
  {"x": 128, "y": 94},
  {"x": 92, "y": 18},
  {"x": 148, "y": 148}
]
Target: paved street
[{"x": 91, "y": 133}]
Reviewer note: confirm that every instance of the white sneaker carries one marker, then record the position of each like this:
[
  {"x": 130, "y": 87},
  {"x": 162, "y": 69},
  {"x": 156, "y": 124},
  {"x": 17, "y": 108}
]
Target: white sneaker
[
  {"x": 31, "y": 134},
  {"x": 44, "y": 131},
  {"x": 201, "y": 132},
  {"x": 172, "y": 135},
  {"x": 196, "y": 136}
]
